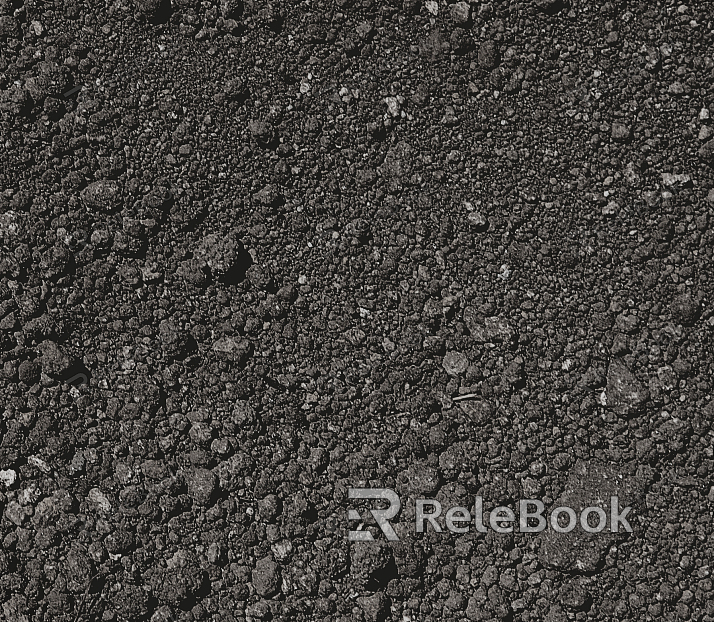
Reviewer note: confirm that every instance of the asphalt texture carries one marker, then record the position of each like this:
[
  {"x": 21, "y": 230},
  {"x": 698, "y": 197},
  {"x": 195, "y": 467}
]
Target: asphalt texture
[{"x": 254, "y": 254}]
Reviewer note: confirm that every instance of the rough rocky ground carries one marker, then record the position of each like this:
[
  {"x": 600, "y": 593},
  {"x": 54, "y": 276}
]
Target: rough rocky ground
[{"x": 278, "y": 238}]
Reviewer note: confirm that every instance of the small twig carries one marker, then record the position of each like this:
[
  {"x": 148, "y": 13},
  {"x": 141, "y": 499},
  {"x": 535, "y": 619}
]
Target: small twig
[
  {"x": 465, "y": 396},
  {"x": 74, "y": 90}
]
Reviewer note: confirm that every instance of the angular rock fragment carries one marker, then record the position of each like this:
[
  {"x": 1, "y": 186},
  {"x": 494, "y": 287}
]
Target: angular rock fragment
[
  {"x": 488, "y": 55},
  {"x": 237, "y": 350},
  {"x": 625, "y": 394},
  {"x": 9, "y": 28},
  {"x": 201, "y": 485},
  {"x": 55, "y": 362},
  {"x": 51, "y": 79},
  {"x": 398, "y": 162},
  {"x": 706, "y": 151},
  {"x": 223, "y": 255},
  {"x": 418, "y": 479},
  {"x": 180, "y": 582},
  {"x": 369, "y": 562},
  {"x": 269, "y": 196},
  {"x": 478, "y": 411},
  {"x": 15, "y": 100},
  {"x": 685, "y": 310},
  {"x": 461, "y": 12},
  {"x": 266, "y": 577},
  {"x": 104, "y": 195},
  {"x": 174, "y": 342},
  {"x": 491, "y": 329},
  {"x": 592, "y": 484},
  {"x": 455, "y": 363},
  {"x": 374, "y": 607},
  {"x": 620, "y": 132}
]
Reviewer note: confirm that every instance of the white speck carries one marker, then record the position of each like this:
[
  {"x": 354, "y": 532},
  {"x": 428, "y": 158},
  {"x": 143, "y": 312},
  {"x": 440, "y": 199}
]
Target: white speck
[
  {"x": 567, "y": 364},
  {"x": 162, "y": 47},
  {"x": 302, "y": 279},
  {"x": 504, "y": 272}
]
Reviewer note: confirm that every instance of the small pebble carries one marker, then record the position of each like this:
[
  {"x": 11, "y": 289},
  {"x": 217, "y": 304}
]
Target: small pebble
[
  {"x": 461, "y": 12},
  {"x": 620, "y": 131},
  {"x": 455, "y": 363},
  {"x": 8, "y": 477}
]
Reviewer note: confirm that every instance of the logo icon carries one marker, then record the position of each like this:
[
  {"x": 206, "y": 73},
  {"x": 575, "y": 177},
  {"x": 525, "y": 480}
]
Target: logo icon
[{"x": 381, "y": 516}]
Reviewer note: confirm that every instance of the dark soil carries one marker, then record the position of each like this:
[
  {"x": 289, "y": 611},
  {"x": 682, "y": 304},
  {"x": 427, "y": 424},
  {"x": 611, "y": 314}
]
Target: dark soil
[{"x": 254, "y": 253}]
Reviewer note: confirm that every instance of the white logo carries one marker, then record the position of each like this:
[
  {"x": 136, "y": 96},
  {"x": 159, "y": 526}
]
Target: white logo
[{"x": 502, "y": 519}]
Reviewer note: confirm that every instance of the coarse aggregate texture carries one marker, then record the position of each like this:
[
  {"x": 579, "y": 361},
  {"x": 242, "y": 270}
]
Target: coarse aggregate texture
[{"x": 254, "y": 253}]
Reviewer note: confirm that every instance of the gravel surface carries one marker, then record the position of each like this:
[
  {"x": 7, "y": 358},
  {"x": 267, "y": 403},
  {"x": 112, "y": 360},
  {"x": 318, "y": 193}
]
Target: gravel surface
[{"x": 254, "y": 253}]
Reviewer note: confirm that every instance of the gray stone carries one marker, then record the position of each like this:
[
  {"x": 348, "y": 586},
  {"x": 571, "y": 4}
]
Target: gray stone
[
  {"x": 201, "y": 486},
  {"x": 17, "y": 513},
  {"x": 374, "y": 607},
  {"x": 478, "y": 411},
  {"x": 455, "y": 363},
  {"x": 266, "y": 577},
  {"x": 237, "y": 350},
  {"x": 488, "y": 55},
  {"x": 626, "y": 395},
  {"x": 102, "y": 195},
  {"x": 592, "y": 484},
  {"x": 220, "y": 253},
  {"x": 418, "y": 479},
  {"x": 685, "y": 310},
  {"x": 461, "y": 12},
  {"x": 490, "y": 330},
  {"x": 706, "y": 151},
  {"x": 620, "y": 131},
  {"x": 54, "y": 361}
]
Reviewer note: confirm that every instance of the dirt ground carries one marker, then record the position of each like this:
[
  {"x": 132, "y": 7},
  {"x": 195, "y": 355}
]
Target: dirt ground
[{"x": 254, "y": 254}]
